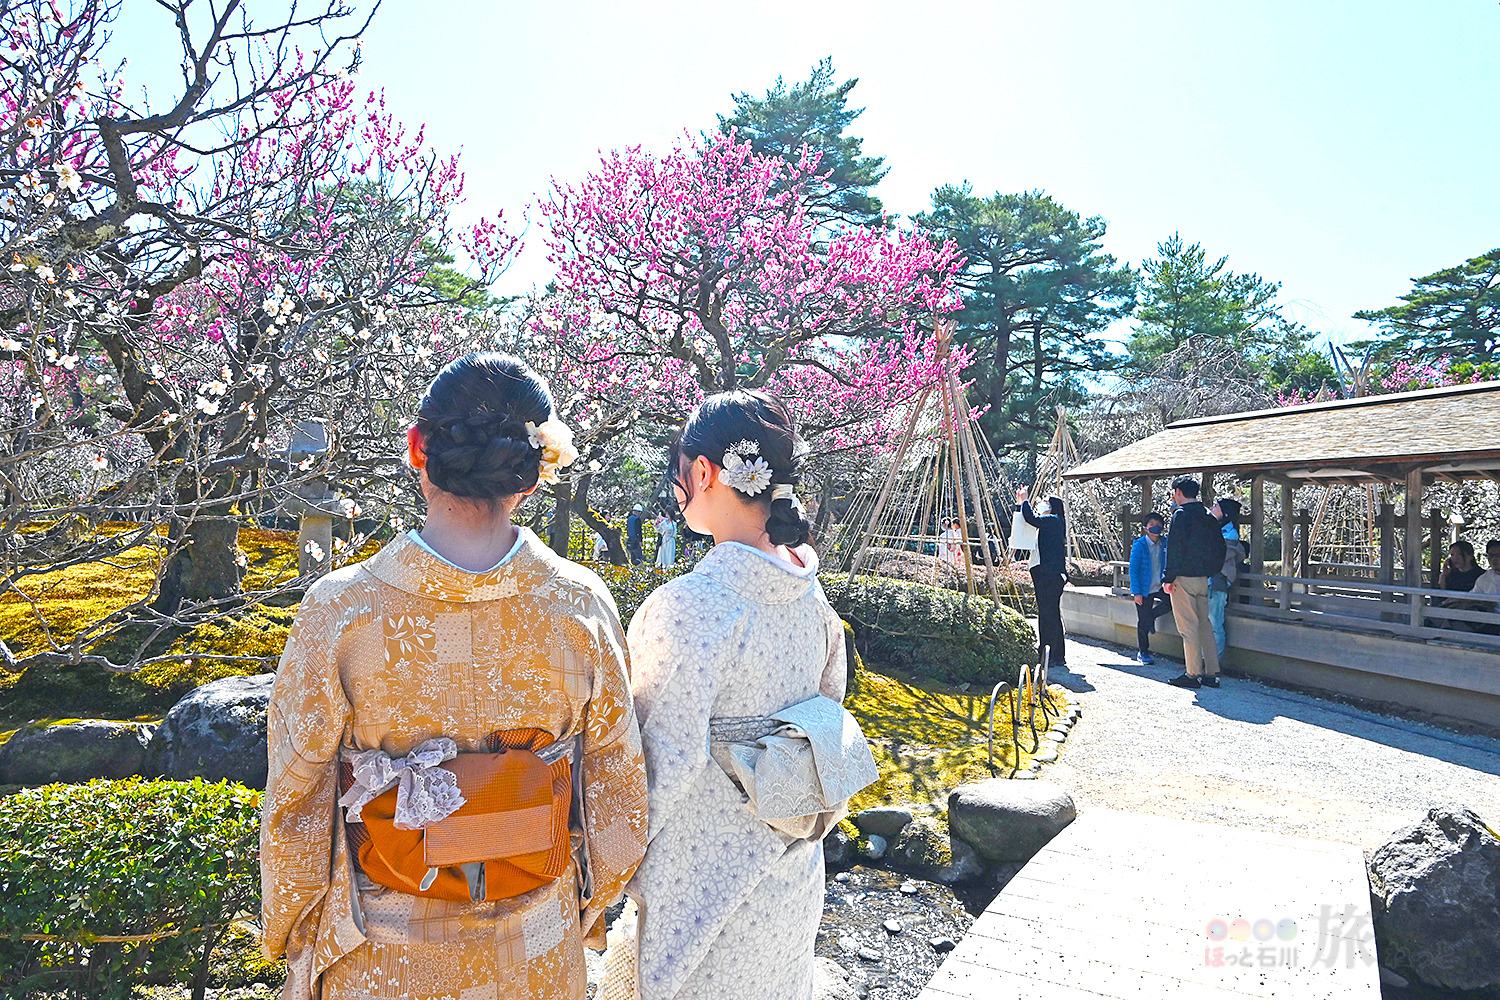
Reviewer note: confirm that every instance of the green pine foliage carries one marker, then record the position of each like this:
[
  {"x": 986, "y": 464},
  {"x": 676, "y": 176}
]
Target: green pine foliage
[
  {"x": 816, "y": 115},
  {"x": 1038, "y": 291},
  {"x": 1453, "y": 313}
]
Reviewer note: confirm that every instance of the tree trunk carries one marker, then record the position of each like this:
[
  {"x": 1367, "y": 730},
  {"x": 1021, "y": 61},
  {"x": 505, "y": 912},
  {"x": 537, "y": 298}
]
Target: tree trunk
[
  {"x": 825, "y": 508},
  {"x": 1001, "y": 364},
  {"x": 205, "y": 567},
  {"x": 562, "y": 521},
  {"x": 614, "y": 542}
]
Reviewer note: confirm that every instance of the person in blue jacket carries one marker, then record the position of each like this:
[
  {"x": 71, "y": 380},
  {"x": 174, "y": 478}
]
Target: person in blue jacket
[
  {"x": 1048, "y": 577},
  {"x": 1148, "y": 557}
]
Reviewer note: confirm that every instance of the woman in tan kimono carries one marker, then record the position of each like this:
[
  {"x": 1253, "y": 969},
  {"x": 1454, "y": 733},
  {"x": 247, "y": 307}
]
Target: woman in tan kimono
[{"x": 464, "y": 629}]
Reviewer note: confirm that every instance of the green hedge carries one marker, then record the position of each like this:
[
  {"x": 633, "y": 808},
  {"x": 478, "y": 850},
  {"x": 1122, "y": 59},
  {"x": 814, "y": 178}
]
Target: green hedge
[
  {"x": 930, "y": 631},
  {"x": 122, "y": 858}
]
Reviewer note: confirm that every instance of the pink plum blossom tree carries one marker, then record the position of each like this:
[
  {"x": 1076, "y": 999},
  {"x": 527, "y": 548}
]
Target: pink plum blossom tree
[{"x": 703, "y": 270}]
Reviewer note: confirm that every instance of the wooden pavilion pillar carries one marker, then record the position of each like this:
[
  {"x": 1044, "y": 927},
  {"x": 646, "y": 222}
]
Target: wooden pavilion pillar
[
  {"x": 1206, "y": 488},
  {"x": 1257, "y": 531},
  {"x": 1284, "y": 590},
  {"x": 1386, "y": 521},
  {"x": 1303, "y": 522},
  {"x": 1413, "y": 543},
  {"x": 1412, "y": 547},
  {"x": 1148, "y": 494},
  {"x": 1435, "y": 524}
]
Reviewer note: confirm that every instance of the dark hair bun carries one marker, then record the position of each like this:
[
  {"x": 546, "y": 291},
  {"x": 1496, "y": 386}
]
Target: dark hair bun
[
  {"x": 786, "y": 525},
  {"x": 473, "y": 423},
  {"x": 722, "y": 421}
]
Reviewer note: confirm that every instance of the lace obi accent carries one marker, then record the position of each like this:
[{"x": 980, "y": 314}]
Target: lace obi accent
[{"x": 425, "y": 791}]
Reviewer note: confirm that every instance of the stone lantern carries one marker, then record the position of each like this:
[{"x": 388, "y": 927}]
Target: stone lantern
[{"x": 314, "y": 503}]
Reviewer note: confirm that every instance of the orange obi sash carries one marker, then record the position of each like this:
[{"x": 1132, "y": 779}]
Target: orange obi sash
[{"x": 462, "y": 826}]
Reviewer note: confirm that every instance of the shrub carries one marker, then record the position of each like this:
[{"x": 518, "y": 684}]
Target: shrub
[
  {"x": 631, "y": 585},
  {"x": 167, "y": 865},
  {"x": 933, "y": 632}
]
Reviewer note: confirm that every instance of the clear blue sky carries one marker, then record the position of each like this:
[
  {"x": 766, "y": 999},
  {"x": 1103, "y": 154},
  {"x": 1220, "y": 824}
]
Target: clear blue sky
[{"x": 1340, "y": 147}]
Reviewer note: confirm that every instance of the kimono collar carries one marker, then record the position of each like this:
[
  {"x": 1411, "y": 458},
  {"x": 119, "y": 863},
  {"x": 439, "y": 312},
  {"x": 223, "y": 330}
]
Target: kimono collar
[
  {"x": 407, "y": 565},
  {"x": 758, "y": 575}
]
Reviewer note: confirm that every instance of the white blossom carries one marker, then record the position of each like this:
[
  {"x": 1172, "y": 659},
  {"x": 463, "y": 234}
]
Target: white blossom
[{"x": 68, "y": 178}]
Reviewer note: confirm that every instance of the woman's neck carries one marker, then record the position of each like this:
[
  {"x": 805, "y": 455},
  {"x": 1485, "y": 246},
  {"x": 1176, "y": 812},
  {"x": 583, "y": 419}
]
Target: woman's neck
[{"x": 469, "y": 535}]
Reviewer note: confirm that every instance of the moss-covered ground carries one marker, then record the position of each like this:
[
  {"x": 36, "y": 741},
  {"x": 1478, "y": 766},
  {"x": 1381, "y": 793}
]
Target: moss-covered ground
[
  {"x": 929, "y": 737},
  {"x": 53, "y": 607}
]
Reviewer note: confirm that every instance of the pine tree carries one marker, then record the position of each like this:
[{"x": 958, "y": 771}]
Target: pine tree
[{"x": 815, "y": 114}]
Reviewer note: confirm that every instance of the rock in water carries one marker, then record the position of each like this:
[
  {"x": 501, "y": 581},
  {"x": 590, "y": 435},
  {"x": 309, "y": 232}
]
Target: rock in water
[
  {"x": 875, "y": 847},
  {"x": 922, "y": 847},
  {"x": 838, "y": 850},
  {"x": 1436, "y": 894},
  {"x": 217, "y": 731},
  {"x": 1007, "y": 820},
  {"x": 882, "y": 821},
  {"x": 830, "y": 983},
  {"x": 965, "y": 865},
  {"x": 76, "y": 751}
]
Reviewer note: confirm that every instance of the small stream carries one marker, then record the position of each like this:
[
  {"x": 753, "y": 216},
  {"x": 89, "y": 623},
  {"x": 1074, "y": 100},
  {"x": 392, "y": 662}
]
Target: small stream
[{"x": 889, "y": 962}]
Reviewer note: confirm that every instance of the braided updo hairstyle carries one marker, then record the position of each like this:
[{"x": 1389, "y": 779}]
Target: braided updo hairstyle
[
  {"x": 473, "y": 422},
  {"x": 728, "y": 418}
]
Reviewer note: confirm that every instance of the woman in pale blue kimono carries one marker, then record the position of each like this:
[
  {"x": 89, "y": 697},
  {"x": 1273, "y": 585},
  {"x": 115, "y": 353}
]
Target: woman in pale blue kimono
[{"x": 729, "y": 905}]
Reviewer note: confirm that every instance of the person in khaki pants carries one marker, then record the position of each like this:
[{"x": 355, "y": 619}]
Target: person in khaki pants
[{"x": 1195, "y": 551}]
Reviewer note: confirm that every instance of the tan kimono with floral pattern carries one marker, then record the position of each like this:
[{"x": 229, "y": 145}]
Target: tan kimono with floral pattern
[{"x": 402, "y": 648}]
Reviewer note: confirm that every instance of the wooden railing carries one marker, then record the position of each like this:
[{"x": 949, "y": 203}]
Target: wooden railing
[
  {"x": 1358, "y": 605},
  {"x": 1416, "y": 612}
]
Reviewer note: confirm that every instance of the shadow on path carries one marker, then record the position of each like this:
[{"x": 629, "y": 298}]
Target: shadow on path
[{"x": 1248, "y": 700}]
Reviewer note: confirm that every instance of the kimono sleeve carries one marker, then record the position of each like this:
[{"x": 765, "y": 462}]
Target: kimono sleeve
[
  {"x": 674, "y": 682},
  {"x": 836, "y": 673},
  {"x": 614, "y": 780},
  {"x": 305, "y": 723}
]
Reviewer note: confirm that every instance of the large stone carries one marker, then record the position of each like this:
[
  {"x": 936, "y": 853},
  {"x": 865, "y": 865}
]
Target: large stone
[
  {"x": 921, "y": 846},
  {"x": 1009, "y": 820},
  {"x": 830, "y": 982},
  {"x": 1435, "y": 888},
  {"x": 883, "y": 821},
  {"x": 76, "y": 751},
  {"x": 217, "y": 731},
  {"x": 838, "y": 850},
  {"x": 965, "y": 865}
]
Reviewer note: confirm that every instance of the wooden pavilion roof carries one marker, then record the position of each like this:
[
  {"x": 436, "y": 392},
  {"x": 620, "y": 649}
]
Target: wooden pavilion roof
[{"x": 1449, "y": 433}]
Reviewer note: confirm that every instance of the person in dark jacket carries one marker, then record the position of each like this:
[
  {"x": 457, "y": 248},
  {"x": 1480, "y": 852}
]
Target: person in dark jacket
[
  {"x": 1195, "y": 552},
  {"x": 1226, "y": 511},
  {"x": 1147, "y": 564},
  {"x": 634, "y": 535},
  {"x": 1048, "y": 577}
]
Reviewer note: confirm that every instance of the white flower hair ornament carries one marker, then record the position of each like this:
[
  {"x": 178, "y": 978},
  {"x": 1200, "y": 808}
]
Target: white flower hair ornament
[
  {"x": 749, "y": 477},
  {"x": 555, "y": 441}
]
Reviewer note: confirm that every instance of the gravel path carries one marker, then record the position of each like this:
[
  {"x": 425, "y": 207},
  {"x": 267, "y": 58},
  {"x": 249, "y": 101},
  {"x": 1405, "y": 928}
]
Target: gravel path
[{"x": 1248, "y": 754}]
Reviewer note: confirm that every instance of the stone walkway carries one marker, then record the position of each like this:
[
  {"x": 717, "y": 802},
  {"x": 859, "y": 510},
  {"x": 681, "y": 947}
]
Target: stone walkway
[{"x": 1256, "y": 756}]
